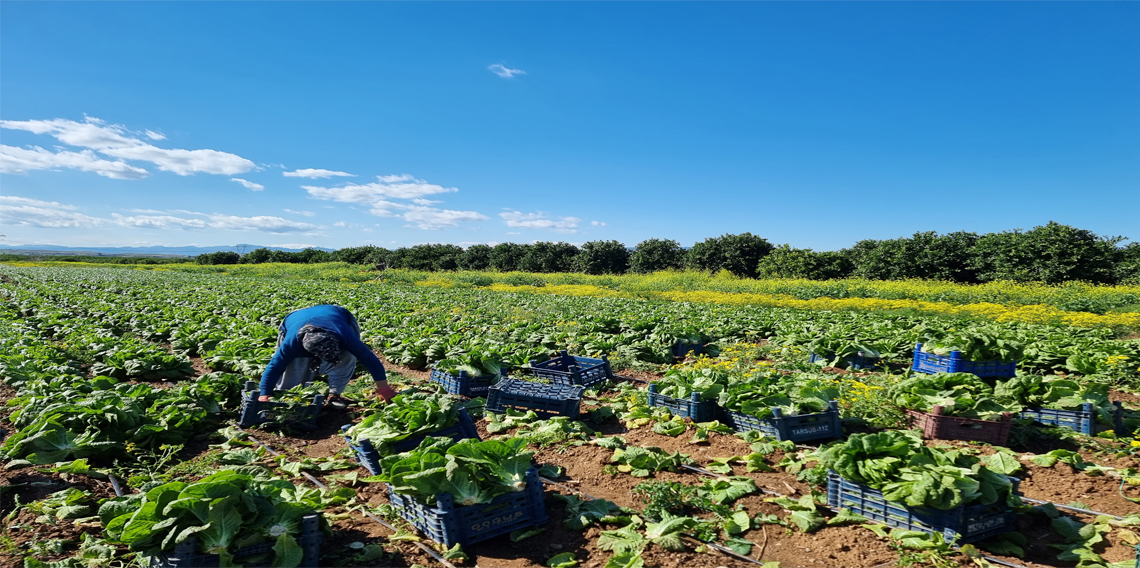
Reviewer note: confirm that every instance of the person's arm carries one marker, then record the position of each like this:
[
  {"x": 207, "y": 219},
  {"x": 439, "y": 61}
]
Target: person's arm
[
  {"x": 373, "y": 364},
  {"x": 284, "y": 355}
]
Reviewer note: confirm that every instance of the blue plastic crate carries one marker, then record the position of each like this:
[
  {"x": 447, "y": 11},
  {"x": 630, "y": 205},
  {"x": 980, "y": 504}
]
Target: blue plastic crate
[
  {"x": 546, "y": 400},
  {"x": 955, "y": 363},
  {"x": 256, "y": 413},
  {"x": 568, "y": 369},
  {"x": 857, "y": 362},
  {"x": 448, "y": 523},
  {"x": 695, "y": 409},
  {"x": 186, "y": 555},
  {"x": 798, "y": 428},
  {"x": 1083, "y": 420},
  {"x": 684, "y": 349},
  {"x": 968, "y": 523},
  {"x": 463, "y": 384},
  {"x": 369, "y": 456}
]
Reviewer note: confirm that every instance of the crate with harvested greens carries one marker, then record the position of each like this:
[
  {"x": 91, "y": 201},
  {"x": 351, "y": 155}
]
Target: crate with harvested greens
[
  {"x": 403, "y": 423},
  {"x": 954, "y": 406},
  {"x": 297, "y": 407},
  {"x": 465, "y": 492},
  {"x": 893, "y": 478}
]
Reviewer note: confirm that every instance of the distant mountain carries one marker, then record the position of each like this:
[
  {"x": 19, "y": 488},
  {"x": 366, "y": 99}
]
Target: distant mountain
[{"x": 132, "y": 251}]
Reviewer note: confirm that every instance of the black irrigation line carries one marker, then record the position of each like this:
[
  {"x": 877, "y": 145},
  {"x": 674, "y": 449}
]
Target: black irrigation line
[
  {"x": 712, "y": 544},
  {"x": 367, "y": 514},
  {"x": 704, "y": 471}
]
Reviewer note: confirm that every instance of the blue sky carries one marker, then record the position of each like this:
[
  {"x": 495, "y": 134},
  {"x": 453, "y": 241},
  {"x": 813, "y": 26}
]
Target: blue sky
[{"x": 816, "y": 124}]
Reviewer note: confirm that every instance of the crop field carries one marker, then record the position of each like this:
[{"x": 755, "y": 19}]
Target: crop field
[{"x": 123, "y": 394}]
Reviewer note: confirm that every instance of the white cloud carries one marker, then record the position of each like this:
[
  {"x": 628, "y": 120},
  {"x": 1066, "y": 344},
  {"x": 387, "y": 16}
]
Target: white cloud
[
  {"x": 312, "y": 173},
  {"x": 399, "y": 187},
  {"x": 504, "y": 71},
  {"x": 540, "y": 220},
  {"x": 34, "y": 202},
  {"x": 249, "y": 184},
  {"x": 305, "y": 213},
  {"x": 147, "y": 211},
  {"x": 15, "y": 160},
  {"x": 154, "y": 135},
  {"x": 115, "y": 141},
  {"x": 294, "y": 246},
  {"x": 598, "y": 223},
  {"x": 265, "y": 223},
  {"x": 379, "y": 195},
  {"x": 340, "y": 224},
  {"x": 46, "y": 214},
  {"x": 158, "y": 222},
  {"x": 432, "y": 218}
]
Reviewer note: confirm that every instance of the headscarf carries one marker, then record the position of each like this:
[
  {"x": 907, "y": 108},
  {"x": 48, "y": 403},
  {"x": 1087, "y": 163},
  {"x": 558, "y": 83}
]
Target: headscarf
[{"x": 321, "y": 343}]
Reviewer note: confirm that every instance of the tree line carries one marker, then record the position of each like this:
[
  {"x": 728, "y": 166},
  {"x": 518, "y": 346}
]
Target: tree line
[{"x": 1051, "y": 253}]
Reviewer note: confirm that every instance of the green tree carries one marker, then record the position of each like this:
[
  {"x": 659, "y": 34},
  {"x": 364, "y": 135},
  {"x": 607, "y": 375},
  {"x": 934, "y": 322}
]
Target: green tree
[
  {"x": 549, "y": 257},
  {"x": 505, "y": 257},
  {"x": 602, "y": 257},
  {"x": 926, "y": 255},
  {"x": 1128, "y": 264},
  {"x": 367, "y": 254},
  {"x": 738, "y": 254},
  {"x": 257, "y": 256},
  {"x": 1051, "y": 253},
  {"x": 219, "y": 257},
  {"x": 314, "y": 255},
  {"x": 653, "y": 255},
  {"x": 476, "y": 257}
]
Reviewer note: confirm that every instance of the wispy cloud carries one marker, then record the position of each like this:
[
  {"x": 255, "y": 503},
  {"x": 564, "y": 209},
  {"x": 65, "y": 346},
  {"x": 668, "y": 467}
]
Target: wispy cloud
[
  {"x": 158, "y": 222},
  {"x": 117, "y": 142},
  {"x": 402, "y": 186},
  {"x": 379, "y": 196},
  {"x": 539, "y": 220},
  {"x": 154, "y": 135},
  {"x": 313, "y": 173},
  {"x": 304, "y": 213},
  {"x": 504, "y": 71},
  {"x": 265, "y": 223},
  {"x": 15, "y": 160},
  {"x": 249, "y": 184},
  {"x": 23, "y": 211},
  {"x": 598, "y": 223}
]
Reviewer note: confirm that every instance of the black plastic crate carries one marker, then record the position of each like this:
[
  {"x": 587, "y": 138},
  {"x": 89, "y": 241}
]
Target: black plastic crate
[
  {"x": 256, "y": 413},
  {"x": 798, "y": 428},
  {"x": 186, "y": 555},
  {"x": 369, "y": 456},
  {"x": 955, "y": 363},
  {"x": 858, "y": 362},
  {"x": 684, "y": 349},
  {"x": 696, "y": 409},
  {"x": 968, "y": 523},
  {"x": 448, "y": 523},
  {"x": 463, "y": 384},
  {"x": 568, "y": 369},
  {"x": 546, "y": 400},
  {"x": 1083, "y": 420}
]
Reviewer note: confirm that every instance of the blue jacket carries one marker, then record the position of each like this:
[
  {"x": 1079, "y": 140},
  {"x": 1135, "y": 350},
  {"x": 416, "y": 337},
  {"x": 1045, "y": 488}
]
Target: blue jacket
[{"x": 333, "y": 318}]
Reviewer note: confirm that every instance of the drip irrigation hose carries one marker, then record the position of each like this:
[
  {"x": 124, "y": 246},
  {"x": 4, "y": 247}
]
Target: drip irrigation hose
[
  {"x": 115, "y": 485},
  {"x": 1068, "y": 508},
  {"x": 714, "y": 545},
  {"x": 367, "y": 514}
]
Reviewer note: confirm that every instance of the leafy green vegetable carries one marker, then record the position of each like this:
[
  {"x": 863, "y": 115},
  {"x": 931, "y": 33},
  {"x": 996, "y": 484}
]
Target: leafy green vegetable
[
  {"x": 470, "y": 470},
  {"x": 406, "y": 416},
  {"x": 906, "y": 471},
  {"x": 642, "y": 462}
]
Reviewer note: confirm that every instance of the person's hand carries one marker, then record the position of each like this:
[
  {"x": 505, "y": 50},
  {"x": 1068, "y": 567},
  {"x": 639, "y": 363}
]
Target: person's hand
[
  {"x": 263, "y": 398},
  {"x": 386, "y": 392}
]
